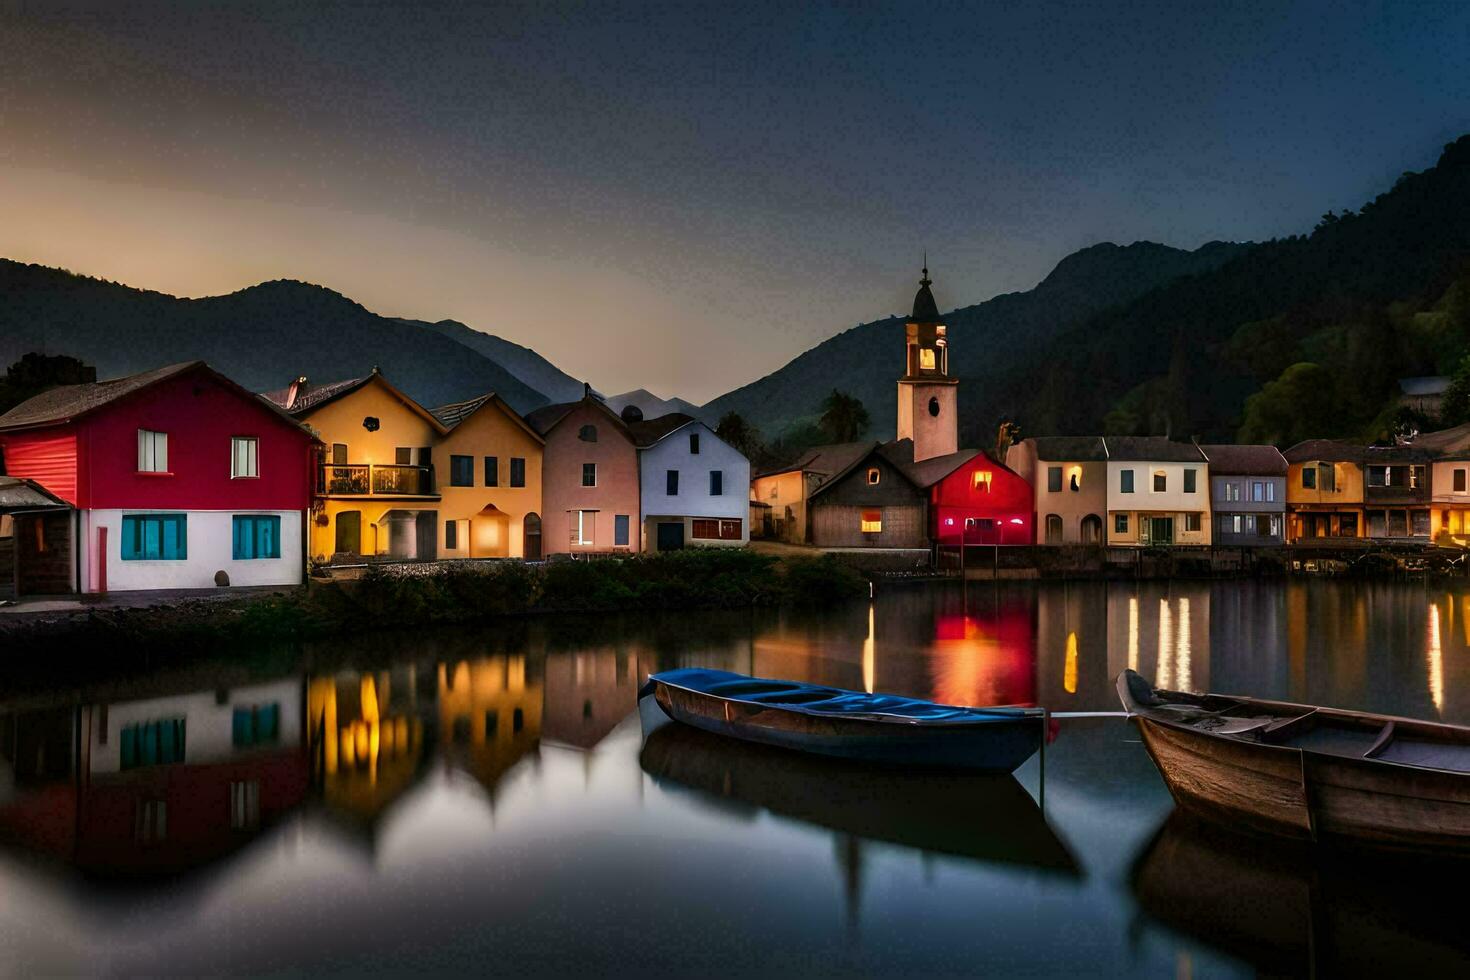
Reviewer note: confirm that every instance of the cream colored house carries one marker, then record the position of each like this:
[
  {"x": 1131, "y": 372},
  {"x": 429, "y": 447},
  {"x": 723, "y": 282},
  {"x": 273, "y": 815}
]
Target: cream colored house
[
  {"x": 1158, "y": 492},
  {"x": 1069, "y": 480}
]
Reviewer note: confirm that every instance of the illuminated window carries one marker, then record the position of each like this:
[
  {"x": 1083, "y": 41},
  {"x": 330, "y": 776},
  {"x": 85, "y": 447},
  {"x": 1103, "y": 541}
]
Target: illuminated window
[
  {"x": 926, "y": 358},
  {"x": 874, "y": 476},
  {"x": 982, "y": 480},
  {"x": 1074, "y": 478},
  {"x": 872, "y": 521}
]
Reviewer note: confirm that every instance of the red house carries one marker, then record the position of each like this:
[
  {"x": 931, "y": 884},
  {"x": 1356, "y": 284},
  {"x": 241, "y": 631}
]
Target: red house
[
  {"x": 180, "y": 479},
  {"x": 981, "y": 501}
]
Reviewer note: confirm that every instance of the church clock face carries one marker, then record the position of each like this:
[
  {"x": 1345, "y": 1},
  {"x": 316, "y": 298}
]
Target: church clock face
[{"x": 934, "y": 407}]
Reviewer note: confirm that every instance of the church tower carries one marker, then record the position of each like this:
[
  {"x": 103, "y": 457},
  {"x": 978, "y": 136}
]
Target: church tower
[{"x": 928, "y": 410}]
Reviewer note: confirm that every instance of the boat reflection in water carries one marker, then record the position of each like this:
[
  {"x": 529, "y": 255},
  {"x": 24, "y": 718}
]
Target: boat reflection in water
[
  {"x": 1287, "y": 910},
  {"x": 984, "y": 818}
]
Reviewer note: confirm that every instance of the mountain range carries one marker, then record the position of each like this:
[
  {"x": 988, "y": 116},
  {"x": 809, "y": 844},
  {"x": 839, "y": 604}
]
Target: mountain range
[{"x": 1264, "y": 340}]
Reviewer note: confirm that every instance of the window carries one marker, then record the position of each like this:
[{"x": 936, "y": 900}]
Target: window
[
  {"x": 1270, "y": 492},
  {"x": 926, "y": 358},
  {"x": 694, "y": 443},
  {"x": 589, "y": 474},
  {"x": 461, "y": 471},
  {"x": 1459, "y": 481},
  {"x": 981, "y": 481},
  {"x": 1232, "y": 490},
  {"x": 1416, "y": 476},
  {"x": 1258, "y": 490},
  {"x": 150, "y": 821},
  {"x": 451, "y": 535},
  {"x": 1075, "y": 480},
  {"x": 872, "y": 521},
  {"x": 1326, "y": 477},
  {"x": 244, "y": 457},
  {"x": 255, "y": 724},
  {"x": 1419, "y": 523},
  {"x": 403, "y": 456},
  {"x": 152, "y": 451},
  {"x": 730, "y": 530},
  {"x": 587, "y": 433},
  {"x": 1161, "y": 481},
  {"x": 155, "y": 537},
  {"x": 1190, "y": 476},
  {"x": 1054, "y": 479},
  {"x": 492, "y": 471},
  {"x": 152, "y": 743},
  {"x": 934, "y": 407},
  {"x": 716, "y": 483},
  {"x": 582, "y": 523},
  {"x": 339, "y": 454},
  {"x": 1125, "y": 481},
  {"x": 875, "y": 476},
  {"x": 671, "y": 483},
  {"x": 1120, "y": 523},
  {"x": 620, "y": 530},
  {"x": 245, "y": 805},
  {"x": 257, "y": 536},
  {"x": 1378, "y": 476},
  {"x": 1193, "y": 522},
  {"x": 705, "y": 528},
  {"x": 518, "y": 472},
  {"x": 1309, "y": 477}
]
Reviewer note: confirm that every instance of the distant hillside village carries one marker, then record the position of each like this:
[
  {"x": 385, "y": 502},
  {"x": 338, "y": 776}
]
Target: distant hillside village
[{"x": 179, "y": 478}]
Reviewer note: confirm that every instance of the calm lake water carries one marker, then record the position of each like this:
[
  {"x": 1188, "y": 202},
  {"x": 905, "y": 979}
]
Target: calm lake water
[{"x": 492, "y": 801}]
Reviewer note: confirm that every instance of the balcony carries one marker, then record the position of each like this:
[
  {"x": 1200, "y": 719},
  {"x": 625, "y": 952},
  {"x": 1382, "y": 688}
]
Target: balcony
[{"x": 375, "y": 480}]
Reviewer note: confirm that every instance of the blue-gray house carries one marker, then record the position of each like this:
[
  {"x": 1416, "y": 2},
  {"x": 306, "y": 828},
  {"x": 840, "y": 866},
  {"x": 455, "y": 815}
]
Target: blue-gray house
[{"x": 1247, "y": 495}]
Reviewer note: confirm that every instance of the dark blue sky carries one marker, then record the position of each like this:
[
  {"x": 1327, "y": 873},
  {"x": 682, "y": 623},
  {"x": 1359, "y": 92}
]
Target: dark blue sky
[{"x": 685, "y": 196}]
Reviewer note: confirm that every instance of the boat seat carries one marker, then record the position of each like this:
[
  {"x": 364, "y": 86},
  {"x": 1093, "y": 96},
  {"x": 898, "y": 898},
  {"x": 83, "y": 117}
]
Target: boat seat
[{"x": 1430, "y": 755}]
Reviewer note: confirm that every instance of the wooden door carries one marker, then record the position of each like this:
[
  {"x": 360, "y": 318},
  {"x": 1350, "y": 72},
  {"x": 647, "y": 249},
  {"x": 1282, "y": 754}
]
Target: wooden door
[{"x": 349, "y": 533}]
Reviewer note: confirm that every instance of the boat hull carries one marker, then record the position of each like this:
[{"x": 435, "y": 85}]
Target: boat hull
[
  {"x": 994, "y": 746},
  {"x": 1310, "y": 796}
]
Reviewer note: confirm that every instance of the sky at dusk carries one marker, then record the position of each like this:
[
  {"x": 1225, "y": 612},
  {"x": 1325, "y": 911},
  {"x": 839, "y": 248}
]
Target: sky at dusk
[{"x": 685, "y": 196}]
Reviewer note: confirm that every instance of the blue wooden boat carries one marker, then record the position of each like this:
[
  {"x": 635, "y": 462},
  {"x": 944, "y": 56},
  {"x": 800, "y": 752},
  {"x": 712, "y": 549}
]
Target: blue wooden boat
[{"x": 877, "y": 728}]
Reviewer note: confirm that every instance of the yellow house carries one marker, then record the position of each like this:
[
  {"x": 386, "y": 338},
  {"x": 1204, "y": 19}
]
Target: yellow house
[
  {"x": 377, "y": 487},
  {"x": 1324, "y": 490},
  {"x": 490, "y": 481}
]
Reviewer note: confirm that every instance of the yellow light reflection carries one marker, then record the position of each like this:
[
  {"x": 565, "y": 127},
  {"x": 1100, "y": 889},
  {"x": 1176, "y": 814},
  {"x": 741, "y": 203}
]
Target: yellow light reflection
[
  {"x": 1182, "y": 673},
  {"x": 1133, "y": 633},
  {"x": 1069, "y": 668},
  {"x": 1166, "y": 646},
  {"x": 870, "y": 661},
  {"x": 1436, "y": 660}
]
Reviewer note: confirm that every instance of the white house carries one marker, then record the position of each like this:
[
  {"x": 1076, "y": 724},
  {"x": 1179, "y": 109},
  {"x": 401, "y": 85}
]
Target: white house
[
  {"x": 694, "y": 487},
  {"x": 1158, "y": 492}
]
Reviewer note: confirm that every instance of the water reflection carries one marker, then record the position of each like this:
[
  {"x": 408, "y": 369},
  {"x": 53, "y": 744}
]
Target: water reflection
[
  {"x": 499, "y": 778},
  {"x": 1293, "y": 912}
]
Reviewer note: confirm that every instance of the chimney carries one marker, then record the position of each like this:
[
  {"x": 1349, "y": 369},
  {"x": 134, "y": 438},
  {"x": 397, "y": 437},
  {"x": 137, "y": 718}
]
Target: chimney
[
  {"x": 294, "y": 391},
  {"x": 586, "y": 389}
]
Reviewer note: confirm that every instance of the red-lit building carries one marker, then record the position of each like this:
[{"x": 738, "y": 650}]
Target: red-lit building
[
  {"x": 180, "y": 479},
  {"x": 980, "y": 501}
]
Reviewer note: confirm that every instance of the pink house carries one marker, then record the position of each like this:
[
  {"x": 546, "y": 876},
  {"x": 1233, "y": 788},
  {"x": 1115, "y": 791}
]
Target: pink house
[
  {"x": 589, "y": 479},
  {"x": 180, "y": 479}
]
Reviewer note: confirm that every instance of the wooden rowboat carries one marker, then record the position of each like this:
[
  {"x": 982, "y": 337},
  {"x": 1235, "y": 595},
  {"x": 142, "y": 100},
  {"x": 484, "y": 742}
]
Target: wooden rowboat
[
  {"x": 1305, "y": 772},
  {"x": 877, "y": 728}
]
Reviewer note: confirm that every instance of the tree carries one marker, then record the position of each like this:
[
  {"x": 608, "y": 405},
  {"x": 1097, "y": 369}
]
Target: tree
[
  {"x": 35, "y": 373},
  {"x": 1454, "y": 409},
  {"x": 741, "y": 434},
  {"x": 1296, "y": 406},
  {"x": 844, "y": 419}
]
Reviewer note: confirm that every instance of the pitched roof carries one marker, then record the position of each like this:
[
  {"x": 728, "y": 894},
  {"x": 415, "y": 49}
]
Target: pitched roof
[
  {"x": 315, "y": 396},
  {"x": 1327, "y": 450},
  {"x": 18, "y": 494},
  {"x": 1069, "y": 449},
  {"x": 646, "y": 432},
  {"x": 1246, "y": 460},
  {"x": 67, "y": 402},
  {"x": 826, "y": 460},
  {"x": 547, "y": 417},
  {"x": 456, "y": 412},
  {"x": 1455, "y": 440},
  {"x": 925, "y": 473},
  {"x": 1152, "y": 449}
]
